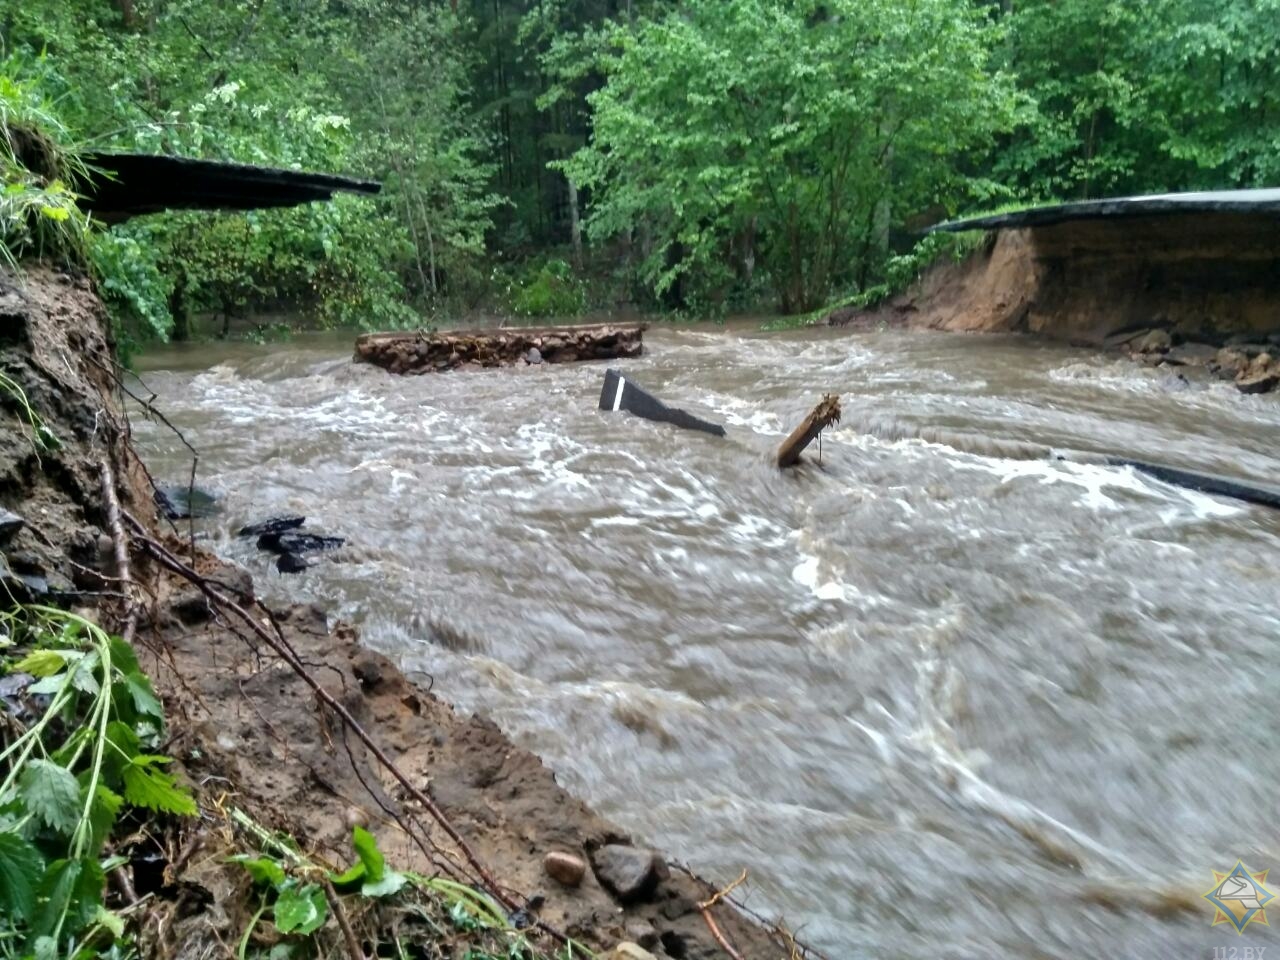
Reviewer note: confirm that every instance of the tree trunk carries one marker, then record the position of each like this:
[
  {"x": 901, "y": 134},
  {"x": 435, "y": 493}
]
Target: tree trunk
[
  {"x": 128, "y": 14},
  {"x": 180, "y": 312},
  {"x": 575, "y": 225}
]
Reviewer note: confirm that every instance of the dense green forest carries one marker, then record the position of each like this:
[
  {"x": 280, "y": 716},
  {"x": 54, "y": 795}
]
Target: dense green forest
[{"x": 542, "y": 156}]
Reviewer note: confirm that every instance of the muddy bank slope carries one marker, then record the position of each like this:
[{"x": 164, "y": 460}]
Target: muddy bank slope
[
  {"x": 444, "y": 793},
  {"x": 1203, "y": 277}
]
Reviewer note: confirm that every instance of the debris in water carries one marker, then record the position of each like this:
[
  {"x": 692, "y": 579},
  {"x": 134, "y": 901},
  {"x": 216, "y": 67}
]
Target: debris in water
[
  {"x": 425, "y": 352},
  {"x": 272, "y": 525},
  {"x": 619, "y": 393},
  {"x": 820, "y": 417},
  {"x": 282, "y": 536}
]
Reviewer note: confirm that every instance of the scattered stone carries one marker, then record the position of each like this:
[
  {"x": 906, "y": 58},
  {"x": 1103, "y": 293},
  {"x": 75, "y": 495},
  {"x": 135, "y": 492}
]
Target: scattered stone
[
  {"x": 642, "y": 932},
  {"x": 1155, "y": 341},
  {"x": 1228, "y": 363},
  {"x": 272, "y": 525},
  {"x": 291, "y": 563},
  {"x": 533, "y": 356},
  {"x": 626, "y": 872},
  {"x": 367, "y": 667},
  {"x": 1192, "y": 354},
  {"x": 1119, "y": 339},
  {"x": 10, "y": 524},
  {"x": 1259, "y": 382},
  {"x": 629, "y": 951},
  {"x": 564, "y": 868}
]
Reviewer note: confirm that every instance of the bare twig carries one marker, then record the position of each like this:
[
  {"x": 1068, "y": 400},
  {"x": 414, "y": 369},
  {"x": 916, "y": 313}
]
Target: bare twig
[
  {"x": 719, "y": 937},
  {"x": 354, "y": 950},
  {"x": 721, "y": 894},
  {"x": 120, "y": 545}
]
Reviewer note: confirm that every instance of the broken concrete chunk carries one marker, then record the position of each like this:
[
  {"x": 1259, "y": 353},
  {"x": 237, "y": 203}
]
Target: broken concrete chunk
[
  {"x": 619, "y": 393},
  {"x": 629, "y": 873}
]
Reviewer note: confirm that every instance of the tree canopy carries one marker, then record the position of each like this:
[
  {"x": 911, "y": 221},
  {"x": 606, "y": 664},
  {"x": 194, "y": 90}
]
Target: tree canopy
[{"x": 701, "y": 155}]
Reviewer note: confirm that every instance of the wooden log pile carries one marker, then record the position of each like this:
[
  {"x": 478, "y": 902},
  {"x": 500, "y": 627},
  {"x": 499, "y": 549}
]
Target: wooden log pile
[{"x": 423, "y": 352}]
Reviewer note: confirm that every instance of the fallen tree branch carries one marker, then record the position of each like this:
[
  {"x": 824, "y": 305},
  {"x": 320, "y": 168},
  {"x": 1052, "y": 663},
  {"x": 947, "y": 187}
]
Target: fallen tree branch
[
  {"x": 820, "y": 417},
  {"x": 120, "y": 546},
  {"x": 354, "y": 950}
]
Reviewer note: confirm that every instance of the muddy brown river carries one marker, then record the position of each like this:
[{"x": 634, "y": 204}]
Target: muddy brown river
[{"x": 939, "y": 703}]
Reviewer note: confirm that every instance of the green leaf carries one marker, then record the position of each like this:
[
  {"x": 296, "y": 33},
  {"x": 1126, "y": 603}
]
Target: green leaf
[
  {"x": 113, "y": 922},
  {"x": 123, "y": 658},
  {"x": 73, "y": 886},
  {"x": 261, "y": 869},
  {"x": 145, "y": 786},
  {"x": 52, "y": 793},
  {"x": 390, "y": 883},
  {"x": 82, "y": 677},
  {"x": 20, "y": 864},
  {"x": 49, "y": 686},
  {"x": 144, "y": 697},
  {"x": 102, "y": 815},
  {"x": 301, "y": 909},
  {"x": 366, "y": 848},
  {"x": 348, "y": 879},
  {"x": 41, "y": 663}
]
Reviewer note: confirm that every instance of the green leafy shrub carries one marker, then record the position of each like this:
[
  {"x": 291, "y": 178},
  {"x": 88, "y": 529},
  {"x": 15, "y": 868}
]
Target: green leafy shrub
[
  {"x": 38, "y": 212},
  {"x": 68, "y": 775},
  {"x": 550, "y": 290}
]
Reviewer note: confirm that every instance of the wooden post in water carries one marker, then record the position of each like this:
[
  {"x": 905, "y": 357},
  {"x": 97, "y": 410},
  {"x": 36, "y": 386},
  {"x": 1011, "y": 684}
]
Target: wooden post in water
[{"x": 820, "y": 417}]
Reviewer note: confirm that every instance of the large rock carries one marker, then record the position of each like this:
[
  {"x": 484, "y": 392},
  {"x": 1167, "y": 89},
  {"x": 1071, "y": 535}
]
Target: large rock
[{"x": 629, "y": 873}]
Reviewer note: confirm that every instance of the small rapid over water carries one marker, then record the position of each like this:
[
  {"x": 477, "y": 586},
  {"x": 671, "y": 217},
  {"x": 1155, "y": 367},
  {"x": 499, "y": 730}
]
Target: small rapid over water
[{"x": 939, "y": 702}]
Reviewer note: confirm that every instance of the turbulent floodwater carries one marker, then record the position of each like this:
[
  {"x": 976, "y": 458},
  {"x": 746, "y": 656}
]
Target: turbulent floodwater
[{"x": 939, "y": 704}]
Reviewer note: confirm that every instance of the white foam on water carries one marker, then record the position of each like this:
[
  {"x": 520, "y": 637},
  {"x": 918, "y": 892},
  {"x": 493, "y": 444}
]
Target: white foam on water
[{"x": 621, "y": 521}]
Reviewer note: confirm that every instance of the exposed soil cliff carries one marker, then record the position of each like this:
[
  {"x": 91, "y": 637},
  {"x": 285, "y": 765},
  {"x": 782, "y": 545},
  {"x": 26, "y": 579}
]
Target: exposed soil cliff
[
  {"x": 247, "y": 728},
  {"x": 1202, "y": 277}
]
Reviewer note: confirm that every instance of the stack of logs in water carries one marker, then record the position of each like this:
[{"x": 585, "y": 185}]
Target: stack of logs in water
[
  {"x": 436, "y": 352},
  {"x": 426, "y": 352}
]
